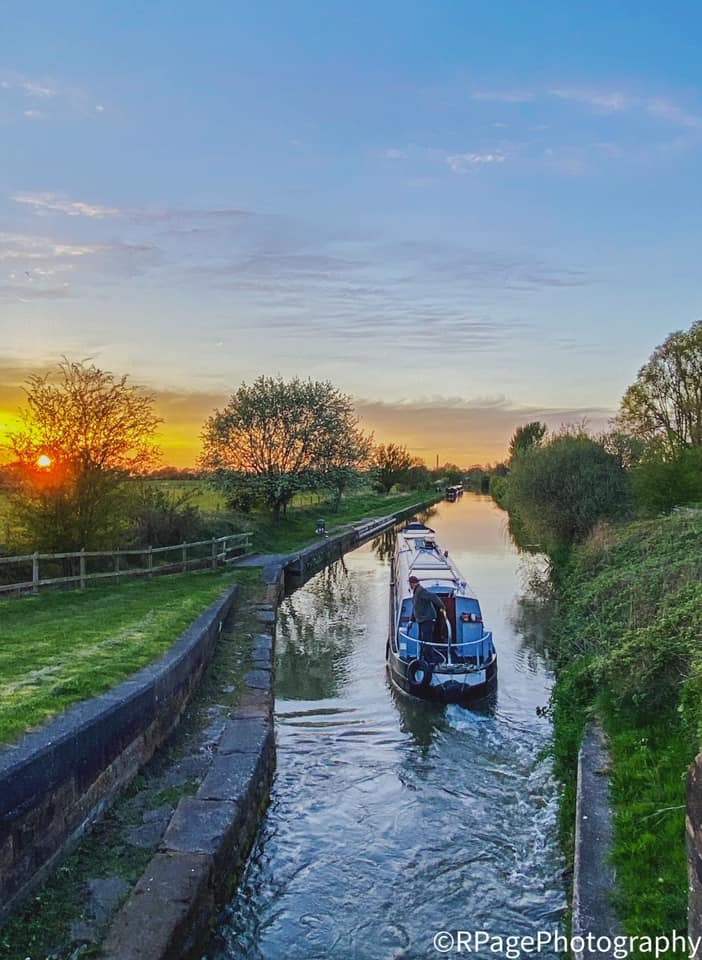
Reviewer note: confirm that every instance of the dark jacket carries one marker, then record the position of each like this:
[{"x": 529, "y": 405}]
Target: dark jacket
[{"x": 425, "y": 604}]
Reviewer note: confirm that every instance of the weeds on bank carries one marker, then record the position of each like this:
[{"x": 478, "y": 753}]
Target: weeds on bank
[{"x": 625, "y": 643}]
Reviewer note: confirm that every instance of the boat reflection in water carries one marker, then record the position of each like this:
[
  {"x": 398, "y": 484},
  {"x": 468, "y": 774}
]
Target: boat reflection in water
[{"x": 424, "y": 720}]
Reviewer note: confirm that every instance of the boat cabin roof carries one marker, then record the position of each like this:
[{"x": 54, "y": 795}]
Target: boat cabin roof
[{"x": 418, "y": 554}]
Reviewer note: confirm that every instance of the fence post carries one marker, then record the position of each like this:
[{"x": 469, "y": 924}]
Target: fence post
[
  {"x": 214, "y": 552},
  {"x": 150, "y": 561},
  {"x": 117, "y": 566},
  {"x": 184, "y": 558},
  {"x": 82, "y": 568},
  {"x": 35, "y": 573}
]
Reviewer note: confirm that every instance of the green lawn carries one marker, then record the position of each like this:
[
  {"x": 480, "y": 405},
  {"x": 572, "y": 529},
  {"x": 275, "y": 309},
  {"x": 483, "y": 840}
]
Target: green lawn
[
  {"x": 297, "y": 528},
  {"x": 59, "y": 648},
  {"x": 62, "y": 647}
]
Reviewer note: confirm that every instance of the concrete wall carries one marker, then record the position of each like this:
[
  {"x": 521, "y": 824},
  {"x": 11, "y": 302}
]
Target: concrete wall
[
  {"x": 693, "y": 831},
  {"x": 58, "y": 780}
]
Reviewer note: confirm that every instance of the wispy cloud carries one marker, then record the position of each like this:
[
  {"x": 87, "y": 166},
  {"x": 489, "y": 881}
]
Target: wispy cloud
[
  {"x": 617, "y": 101},
  {"x": 609, "y": 102},
  {"x": 18, "y": 246},
  {"x": 465, "y": 162},
  {"x": 52, "y": 202},
  {"x": 42, "y": 89},
  {"x": 600, "y": 100},
  {"x": 11, "y": 292},
  {"x": 47, "y": 202}
]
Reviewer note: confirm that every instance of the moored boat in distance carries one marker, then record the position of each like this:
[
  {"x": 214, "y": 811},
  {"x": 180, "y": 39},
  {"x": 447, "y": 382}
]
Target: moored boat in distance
[
  {"x": 461, "y": 662},
  {"x": 454, "y": 492}
]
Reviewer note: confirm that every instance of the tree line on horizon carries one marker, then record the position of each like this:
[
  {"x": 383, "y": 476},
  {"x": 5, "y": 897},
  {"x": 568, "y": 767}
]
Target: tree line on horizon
[
  {"x": 559, "y": 485},
  {"x": 85, "y": 435}
]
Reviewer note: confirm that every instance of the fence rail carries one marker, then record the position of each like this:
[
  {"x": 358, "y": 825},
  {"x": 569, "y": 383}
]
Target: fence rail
[{"x": 150, "y": 561}]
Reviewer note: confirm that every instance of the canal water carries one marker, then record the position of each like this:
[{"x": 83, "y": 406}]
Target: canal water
[{"x": 392, "y": 819}]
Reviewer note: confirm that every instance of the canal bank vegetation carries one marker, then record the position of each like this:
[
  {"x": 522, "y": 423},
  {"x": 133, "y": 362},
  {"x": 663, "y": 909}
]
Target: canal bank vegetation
[
  {"x": 617, "y": 516},
  {"x": 624, "y": 641}
]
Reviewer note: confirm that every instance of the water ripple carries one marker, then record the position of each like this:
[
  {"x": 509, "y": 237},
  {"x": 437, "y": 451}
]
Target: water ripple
[{"x": 391, "y": 819}]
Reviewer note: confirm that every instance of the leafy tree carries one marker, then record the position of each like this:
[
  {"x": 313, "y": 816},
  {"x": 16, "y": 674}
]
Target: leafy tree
[
  {"x": 664, "y": 405},
  {"x": 83, "y": 433},
  {"x": 418, "y": 477},
  {"x": 449, "y": 474},
  {"x": 659, "y": 485},
  {"x": 277, "y": 437},
  {"x": 629, "y": 450},
  {"x": 524, "y": 438},
  {"x": 391, "y": 462},
  {"x": 559, "y": 490},
  {"x": 347, "y": 457}
]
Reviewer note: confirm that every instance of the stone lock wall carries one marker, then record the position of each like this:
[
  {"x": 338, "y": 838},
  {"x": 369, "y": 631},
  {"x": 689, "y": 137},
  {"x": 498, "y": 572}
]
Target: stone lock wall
[{"x": 58, "y": 780}]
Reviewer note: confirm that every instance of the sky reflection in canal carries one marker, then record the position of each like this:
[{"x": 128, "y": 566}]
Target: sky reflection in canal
[{"x": 392, "y": 819}]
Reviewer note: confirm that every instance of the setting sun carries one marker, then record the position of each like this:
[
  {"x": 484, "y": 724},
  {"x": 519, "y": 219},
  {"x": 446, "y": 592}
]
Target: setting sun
[{"x": 44, "y": 462}]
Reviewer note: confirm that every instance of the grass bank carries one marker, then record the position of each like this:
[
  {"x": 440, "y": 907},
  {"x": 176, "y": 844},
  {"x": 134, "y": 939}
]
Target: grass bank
[
  {"x": 297, "y": 528},
  {"x": 59, "y": 648},
  {"x": 625, "y": 641},
  {"x": 63, "y": 912}
]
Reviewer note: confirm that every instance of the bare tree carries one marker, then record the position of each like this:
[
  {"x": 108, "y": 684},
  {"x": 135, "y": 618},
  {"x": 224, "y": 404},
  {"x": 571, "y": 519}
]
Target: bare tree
[{"x": 83, "y": 433}]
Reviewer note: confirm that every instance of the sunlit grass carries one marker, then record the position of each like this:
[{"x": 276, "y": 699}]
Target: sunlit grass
[
  {"x": 59, "y": 648},
  {"x": 297, "y": 527}
]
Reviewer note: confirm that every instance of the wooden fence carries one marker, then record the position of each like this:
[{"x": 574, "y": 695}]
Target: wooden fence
[{"x": 79, "y": 568}]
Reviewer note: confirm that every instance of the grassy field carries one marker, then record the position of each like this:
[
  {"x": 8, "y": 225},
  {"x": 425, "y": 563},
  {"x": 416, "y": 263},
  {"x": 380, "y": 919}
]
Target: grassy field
[
  {"x": 200, "y": 493},
  {"x": 298, "y": 527},
  {"x": 40, "y": 927},
  {"x": 62, "y": 647},
  {"x": 59, "y": 648}
]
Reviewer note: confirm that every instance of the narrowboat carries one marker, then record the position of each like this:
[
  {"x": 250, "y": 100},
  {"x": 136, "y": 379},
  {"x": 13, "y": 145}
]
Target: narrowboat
[{"x": 460, "y": 663}]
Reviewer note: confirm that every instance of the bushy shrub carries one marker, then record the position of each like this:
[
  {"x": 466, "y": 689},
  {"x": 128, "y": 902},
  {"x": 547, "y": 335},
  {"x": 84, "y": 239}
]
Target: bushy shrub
[
  {"x": 562, "y": 488},
  {"x": 162, "y": 519},
  {"x": 660, "y": 485}
]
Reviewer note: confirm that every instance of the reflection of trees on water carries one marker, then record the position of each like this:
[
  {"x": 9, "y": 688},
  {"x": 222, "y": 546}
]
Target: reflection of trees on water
[
  {"x": 315, "y": 634},
  {"x": 421, "y": 719},
  {"x": 533, "y": 614},
  {"x": 384, "y": 545},
  {"x": 522, "y": 536}
]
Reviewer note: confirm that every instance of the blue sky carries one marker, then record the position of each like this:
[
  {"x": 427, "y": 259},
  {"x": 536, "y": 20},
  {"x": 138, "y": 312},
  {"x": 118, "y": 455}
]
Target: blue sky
[{"x": 464, "y": 214}]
